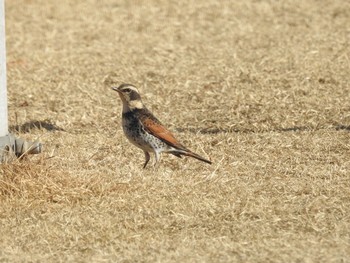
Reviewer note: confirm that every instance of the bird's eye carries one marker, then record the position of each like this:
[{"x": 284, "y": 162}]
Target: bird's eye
[{"x": 127, "y": 90}]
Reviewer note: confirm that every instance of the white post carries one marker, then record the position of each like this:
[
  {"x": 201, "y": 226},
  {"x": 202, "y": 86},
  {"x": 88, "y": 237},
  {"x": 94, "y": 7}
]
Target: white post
[
  {"x": 10, "y": 146},
  {"x": 3, "y": 90}
]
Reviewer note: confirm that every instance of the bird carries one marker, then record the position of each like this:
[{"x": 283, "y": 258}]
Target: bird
[{"x": 145, "y": 131}]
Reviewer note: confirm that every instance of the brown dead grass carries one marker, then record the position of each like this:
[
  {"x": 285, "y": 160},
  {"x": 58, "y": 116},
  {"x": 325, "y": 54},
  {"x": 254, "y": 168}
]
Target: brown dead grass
[{"x": 261, "y": 87}]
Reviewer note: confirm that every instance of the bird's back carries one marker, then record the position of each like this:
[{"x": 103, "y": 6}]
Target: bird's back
[{"x": 153, "y": 126}]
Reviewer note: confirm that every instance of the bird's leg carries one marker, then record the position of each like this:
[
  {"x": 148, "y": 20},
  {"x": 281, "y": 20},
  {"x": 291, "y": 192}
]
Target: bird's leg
[
  {"x": 147, "y": 158},
  {"x": 157, "y": 155}
]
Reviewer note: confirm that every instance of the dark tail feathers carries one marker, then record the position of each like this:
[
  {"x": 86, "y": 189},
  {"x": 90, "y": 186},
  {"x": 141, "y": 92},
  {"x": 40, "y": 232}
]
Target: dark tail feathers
[{"x": 191, "y": 154}]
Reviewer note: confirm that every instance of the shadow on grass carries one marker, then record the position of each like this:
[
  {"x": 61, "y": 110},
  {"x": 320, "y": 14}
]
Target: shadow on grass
[
  {"x": 342, "y": 127},
  {"x": 211, "y": 130},
  {"x": 42, "y": 125},
  {"x": 289, "y": 129},
  {"x": 220, "y": 130}
]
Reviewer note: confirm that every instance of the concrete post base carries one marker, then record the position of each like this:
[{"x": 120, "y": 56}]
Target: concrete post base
[{"x": 12, "y": 148}]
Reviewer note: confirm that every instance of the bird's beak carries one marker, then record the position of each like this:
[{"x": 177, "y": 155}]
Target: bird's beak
[{"x": 116, "y": 89}]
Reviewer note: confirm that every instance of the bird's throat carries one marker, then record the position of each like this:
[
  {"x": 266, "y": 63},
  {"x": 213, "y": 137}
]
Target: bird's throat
[{"x": 132, "y": 105}]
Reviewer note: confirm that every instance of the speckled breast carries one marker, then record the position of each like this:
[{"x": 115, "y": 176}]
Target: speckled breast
[{"x": 136, "y": 134}]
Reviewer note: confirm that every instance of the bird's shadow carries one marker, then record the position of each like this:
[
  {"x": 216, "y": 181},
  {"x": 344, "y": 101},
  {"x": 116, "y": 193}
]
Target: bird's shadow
[
  {"x": 234, "y": 130},
  {"x": 41, "y": 125},
  {"x": 342, "y": 127}
]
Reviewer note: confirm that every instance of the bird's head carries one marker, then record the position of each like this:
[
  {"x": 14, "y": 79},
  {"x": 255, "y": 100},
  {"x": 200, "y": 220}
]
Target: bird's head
[{"x": 130, "y": 97}]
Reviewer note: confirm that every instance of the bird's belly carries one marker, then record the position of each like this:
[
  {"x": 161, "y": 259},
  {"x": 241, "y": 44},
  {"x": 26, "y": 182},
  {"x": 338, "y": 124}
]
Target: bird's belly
[{"x": 142, "y": 139}]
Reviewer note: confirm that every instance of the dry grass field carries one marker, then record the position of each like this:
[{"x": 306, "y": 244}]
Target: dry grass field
[{"x": 260, "y": 87}]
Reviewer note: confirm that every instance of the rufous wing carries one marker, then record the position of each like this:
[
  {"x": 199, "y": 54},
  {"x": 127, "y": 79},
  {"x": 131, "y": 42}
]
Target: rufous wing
[
  {"x": 152, "y": 125},
  {"x": 157, "y": 129}
]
